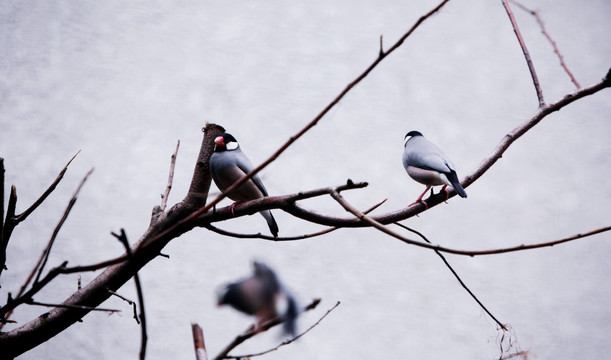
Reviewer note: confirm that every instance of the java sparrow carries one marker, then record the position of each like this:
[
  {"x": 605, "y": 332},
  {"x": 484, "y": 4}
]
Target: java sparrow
[
  {"x": 228, "y": 164},
  {"x": 261, "y": 295},
  {"x": 428, "y": 165}
]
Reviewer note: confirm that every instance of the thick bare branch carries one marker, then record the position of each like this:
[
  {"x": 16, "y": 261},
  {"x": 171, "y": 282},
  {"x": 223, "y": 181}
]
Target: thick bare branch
[{"x": 33, "y": 333}]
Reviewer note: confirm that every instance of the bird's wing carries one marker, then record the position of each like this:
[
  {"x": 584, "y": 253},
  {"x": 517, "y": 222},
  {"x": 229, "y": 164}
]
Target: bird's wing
[
  {"x": 246, "y": 166},
  {"x": 426, "y": 155}
]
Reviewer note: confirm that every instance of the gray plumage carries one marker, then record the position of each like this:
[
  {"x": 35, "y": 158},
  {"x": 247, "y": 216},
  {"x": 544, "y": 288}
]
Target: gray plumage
[
  {"x": 261, "y": 295},
  {"x": 428, "y": 165},
  {"x": 228, "y": 164}
]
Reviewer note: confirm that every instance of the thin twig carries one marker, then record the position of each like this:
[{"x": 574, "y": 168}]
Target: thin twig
[
  {"x": 445, "y": 261},
  {"x": 45, "y": 254},
  {"x": 42, "y": 197},
  {"x": 285, "y": 342},
  {"x": 80, "y": 307},
  {"x": 251, "y": 331},
  {"x": 529, "y": 62},
  {"x": 131, "y": 302},
  {"x": 166, "y": 194},
  {"x": 144, "y": 337},
  {"x": 549, "y": 38}
]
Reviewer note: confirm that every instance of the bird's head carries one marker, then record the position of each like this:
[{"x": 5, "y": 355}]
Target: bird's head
[
  {"x": 411, "y": 134},
  {"x": 224, "y": 142}
]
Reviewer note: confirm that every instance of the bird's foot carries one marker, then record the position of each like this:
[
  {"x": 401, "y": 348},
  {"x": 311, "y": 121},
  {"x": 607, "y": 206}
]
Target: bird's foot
[
  {"x": 419, "y": 201},
  {"x": 445, "y": 190}
]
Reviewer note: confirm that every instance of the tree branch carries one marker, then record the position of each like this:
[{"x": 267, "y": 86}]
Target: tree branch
[
  {"x": 372, "y": 222},
  {"x": 33, "y": 333},
  {"x": 549, "y": 38},
  {"x": 13, "y": 220},
  {"x": 462, "y": 283},
  {"x": 45, "y": 254},
  {"x": 166, "y": 194},
  {"x": 198, "y": 342},
  {"x": 286, "y": 342},
  {"x": 482, "y": 168},
  {"x": 252, "y": 331},
  {"x": 144, "y": 337},
  {"x": 529, "y": 62}
]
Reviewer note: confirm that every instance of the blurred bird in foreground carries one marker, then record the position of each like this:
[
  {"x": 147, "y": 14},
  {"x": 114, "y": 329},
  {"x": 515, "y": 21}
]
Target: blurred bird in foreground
[{"x": 263, "y": 296}]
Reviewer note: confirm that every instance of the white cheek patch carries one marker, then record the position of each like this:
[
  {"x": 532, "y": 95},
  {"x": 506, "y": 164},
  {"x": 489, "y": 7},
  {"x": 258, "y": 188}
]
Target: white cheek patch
[{"x": 231, "y": 146}]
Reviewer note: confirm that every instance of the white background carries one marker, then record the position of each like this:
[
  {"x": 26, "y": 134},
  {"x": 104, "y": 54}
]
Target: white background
[{"x": 123, "y": 82}]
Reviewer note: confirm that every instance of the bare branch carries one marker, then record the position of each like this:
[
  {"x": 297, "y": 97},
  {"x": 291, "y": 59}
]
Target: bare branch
[
  {"x": 13, "y": 220},
  {"x": 198, "y": 342},
  {"x": 286, "y": 342},
  {"x": 529, "y": 62},
  {"x": 42, "y": 197},
  {"x": 37, "y": 303},
  {"x": 45, "y": 254},
  {"x": 445, "y": 261},
  {"x": 251, "y": 331},
  {"x": 549, "y": 38},
  {"x": 368, "y": 220},
  {"x": 144, "y": 337},
  {"x": 131, "y": 302},
  {"x": 283, "y": 238},
  {"x": 166, "y": 194}
]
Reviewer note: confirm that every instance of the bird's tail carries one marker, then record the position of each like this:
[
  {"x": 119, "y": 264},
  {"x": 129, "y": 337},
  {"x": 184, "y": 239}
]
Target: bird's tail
[
  {"x": 271, "y": 222},
  {"x": 290, "y": 316},
  {"x": 456, "y": 184}
]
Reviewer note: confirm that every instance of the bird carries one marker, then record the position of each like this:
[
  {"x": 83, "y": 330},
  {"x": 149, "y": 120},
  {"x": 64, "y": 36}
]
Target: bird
[
  {"x": 228, "y": 164},
  {"x": 261, "y": 295},
  {"x": 428, "y": 165}
]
